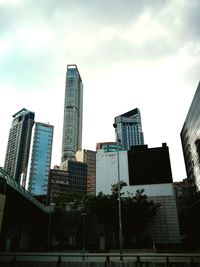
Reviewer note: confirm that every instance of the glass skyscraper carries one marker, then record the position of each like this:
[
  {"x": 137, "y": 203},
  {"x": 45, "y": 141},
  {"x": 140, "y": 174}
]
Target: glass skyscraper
[
  {"x": 190, "y": 138},
  {"x": 40, "y": 158},
  {"x": 129, "y": 129},
  {"x": 73, "y": 113},
  {"x": 17, "y": 154}
]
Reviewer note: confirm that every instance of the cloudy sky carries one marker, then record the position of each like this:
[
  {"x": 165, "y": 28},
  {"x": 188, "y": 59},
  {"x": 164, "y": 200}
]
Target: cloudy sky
[{"x": 130, "y": 53}]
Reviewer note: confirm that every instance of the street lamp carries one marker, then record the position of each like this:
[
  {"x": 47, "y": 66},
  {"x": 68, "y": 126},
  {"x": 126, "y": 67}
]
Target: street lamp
[
  {"x": 83, "y": 214},
  {"x": 119, "y": 195}
]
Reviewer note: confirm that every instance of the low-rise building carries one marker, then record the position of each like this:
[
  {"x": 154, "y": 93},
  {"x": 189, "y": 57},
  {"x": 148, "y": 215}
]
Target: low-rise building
[{"x": 148, "y": 169}]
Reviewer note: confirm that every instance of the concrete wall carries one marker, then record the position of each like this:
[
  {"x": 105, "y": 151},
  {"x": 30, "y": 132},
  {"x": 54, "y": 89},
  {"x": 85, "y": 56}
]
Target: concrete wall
[
  {"x": 162, "y": 228},
  {"x": 107, "y": 170}
]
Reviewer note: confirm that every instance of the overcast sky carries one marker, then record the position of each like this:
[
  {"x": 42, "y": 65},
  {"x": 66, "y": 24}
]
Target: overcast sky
[{"x": 130, "y": 53}]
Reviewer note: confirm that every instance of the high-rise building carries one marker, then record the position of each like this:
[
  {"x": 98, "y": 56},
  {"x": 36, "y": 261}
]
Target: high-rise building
[
  {"x": 17, "y": 154},
  {"x": 40, "y": 161},
  {"x": 129, "y": 129},
  {"x": 73, "y": 113},
  {"x": 190, "y": 138},
  {"x": 89, "y": 157}
]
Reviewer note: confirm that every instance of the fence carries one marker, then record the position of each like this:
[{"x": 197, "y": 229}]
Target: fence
[{"x": 99, "y": 259}]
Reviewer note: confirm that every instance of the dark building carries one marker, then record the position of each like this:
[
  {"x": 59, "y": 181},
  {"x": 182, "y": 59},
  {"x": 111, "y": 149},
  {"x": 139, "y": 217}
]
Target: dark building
[
  {"x": 73, "y": 178},
  {"x": 188, "y": 205},
  {"x": 78, "y": 176},
  {"x": 184, "y": 189},
  {"x": 190, "y": 138},
  {"x": 58, "y": 184},
  {"x": 149, "y": 165},
  {"x": 18, "y": 148}
]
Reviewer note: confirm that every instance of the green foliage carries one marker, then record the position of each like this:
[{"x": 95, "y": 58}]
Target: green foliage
[
  {"x": 115, "y": 189},
  {"x": 73, "y": 197},
  {"x": 136, "y": 211},
  {"x": 104, "y": 209}
]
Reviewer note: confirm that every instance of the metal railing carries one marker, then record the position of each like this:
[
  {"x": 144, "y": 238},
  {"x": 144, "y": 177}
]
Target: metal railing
[{"x": 104, "y": 259}]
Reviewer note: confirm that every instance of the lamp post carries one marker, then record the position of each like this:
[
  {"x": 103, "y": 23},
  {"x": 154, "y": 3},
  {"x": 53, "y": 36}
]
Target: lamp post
[
  {"x": 49, "y": 226},
  {"x": 119, "y": 195},
  {"x": 83, "y": 214}
]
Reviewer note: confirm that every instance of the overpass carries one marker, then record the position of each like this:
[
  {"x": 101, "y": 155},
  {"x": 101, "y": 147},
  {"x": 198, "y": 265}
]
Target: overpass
[{"x": 22, "y": 217}]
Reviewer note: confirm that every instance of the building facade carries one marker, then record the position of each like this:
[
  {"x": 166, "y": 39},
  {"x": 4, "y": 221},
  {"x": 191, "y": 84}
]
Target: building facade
[
  {"x": 109, "y": 146},
  {"x": 163, "y": 228},
  {"x": 107, "y": 169},
  {"x": 190, "y": 138},
  {"x": 71, "y": 178},
  {"x": 149, "y": 165},
  {"x": 77, "y": 175},
  {"x": 89, "y": 157},
  {"x": 129, "y": 129},
  {"x": 73, "y": 113},
  {"x": 17, "y": 154},
  {"x": 58, "y": 185},
  {"x": 40, "y": 161}
]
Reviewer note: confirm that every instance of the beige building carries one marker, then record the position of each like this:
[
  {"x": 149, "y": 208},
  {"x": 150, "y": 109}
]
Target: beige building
[{"x": 89, "y": 157}]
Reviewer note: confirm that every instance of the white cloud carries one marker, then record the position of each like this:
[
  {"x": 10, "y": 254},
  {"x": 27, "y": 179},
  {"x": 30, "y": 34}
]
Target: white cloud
[
  {"x": 35, "y": 38},
  {"x": 131, "y": 54},
  {"x": 5, "y": 46},
  {"x": 10, "y": 2}
]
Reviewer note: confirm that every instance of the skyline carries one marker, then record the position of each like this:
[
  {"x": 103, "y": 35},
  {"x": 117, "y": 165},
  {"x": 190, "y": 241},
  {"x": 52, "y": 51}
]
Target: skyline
[{"x": 139, "y": 54}]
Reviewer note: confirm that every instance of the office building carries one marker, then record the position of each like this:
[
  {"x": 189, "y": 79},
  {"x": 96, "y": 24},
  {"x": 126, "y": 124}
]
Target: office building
[
  {"x": 71, "y": 178},
  {"x": 40, "y": 161},
  {"x": 73, "y": 113},
  {"x": 129, "y": 129},
  {"x": 190, "y": 138},
  {"x": 77, "y": 175},
  {"x": 58, "y": 185},
  {"x": 17, "y": 154},
  {"x": 89, "y": 157},
  {"x": 109, "y": 146}
]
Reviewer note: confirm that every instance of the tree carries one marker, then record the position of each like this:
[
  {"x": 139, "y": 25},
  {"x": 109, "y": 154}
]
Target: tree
[
  {"x": 103, "y": 210},
  {"x": 136, "y": 211}
]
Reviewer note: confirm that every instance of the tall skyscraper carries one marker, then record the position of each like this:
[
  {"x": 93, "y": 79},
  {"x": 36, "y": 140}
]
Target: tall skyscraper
[
  {"x": 17, "y": 154},
  {"x": 73, "y": 113},
  {"x": 190, "y": 138},
  {"x": 129, "y": 128},
  {"x": 40, "y": 162}
]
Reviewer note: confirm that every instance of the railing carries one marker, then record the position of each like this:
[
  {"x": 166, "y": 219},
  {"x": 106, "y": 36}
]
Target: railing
[{"x": 100, "y": 259}]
